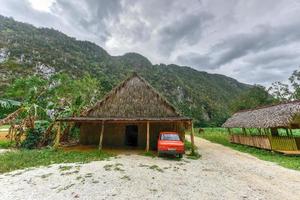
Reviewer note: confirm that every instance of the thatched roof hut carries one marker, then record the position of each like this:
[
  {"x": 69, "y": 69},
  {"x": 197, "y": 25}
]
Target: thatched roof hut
[
  {"x": 127, "y": 112},
  {"x": 284, "y": 115}
]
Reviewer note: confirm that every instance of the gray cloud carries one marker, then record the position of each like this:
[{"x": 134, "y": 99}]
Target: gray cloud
[
  {"x": 255, "y": 41},
  {"x": 187, "y": 29},
  {"x": 262, "y": 38}
]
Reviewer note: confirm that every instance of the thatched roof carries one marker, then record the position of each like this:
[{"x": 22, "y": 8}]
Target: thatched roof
[
  {"x": 134, "y": 98},
  {"x": 277, "y": 116},
  {"x": 120, "y": 120}
]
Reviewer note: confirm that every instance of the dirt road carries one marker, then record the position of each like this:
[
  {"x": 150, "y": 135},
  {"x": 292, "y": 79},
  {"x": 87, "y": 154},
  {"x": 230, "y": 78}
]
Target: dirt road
[{"x": 221, "y": 173}]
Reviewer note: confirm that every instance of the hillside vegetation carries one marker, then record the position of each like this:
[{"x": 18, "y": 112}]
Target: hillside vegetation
[{"x": 27, "y": 50}]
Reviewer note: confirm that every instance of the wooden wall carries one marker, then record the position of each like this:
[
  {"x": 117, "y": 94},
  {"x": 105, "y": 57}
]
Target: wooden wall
[{"x": 114, "y": 134}]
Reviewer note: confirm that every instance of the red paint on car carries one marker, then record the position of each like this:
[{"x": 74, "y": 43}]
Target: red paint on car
[{"x": 170, "y": 143}]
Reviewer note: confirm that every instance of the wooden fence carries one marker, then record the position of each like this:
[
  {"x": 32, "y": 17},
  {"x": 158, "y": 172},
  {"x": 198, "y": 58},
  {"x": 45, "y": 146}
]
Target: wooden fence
[
  {"x": 254, "y": 141},
  {"x": 268, "y": 142},
  {"x": 283, "y": 143}
]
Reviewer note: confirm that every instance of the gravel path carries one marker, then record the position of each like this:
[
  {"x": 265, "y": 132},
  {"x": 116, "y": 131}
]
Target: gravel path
[{"x": 221, "y": 173}]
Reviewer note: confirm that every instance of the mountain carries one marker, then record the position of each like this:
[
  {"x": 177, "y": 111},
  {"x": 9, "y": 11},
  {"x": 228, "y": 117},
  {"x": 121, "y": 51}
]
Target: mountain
[{"x": 27, "y": 50}]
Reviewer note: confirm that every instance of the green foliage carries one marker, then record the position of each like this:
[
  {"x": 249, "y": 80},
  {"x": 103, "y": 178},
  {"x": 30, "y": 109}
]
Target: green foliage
[
  {"x": 202, "y": 96},
  {"x": 254, "y": 97},
  {"x": 33, "y": 158},
  {"x": 34, "y": 135},
  {"x": 7, "y": 106},
  {"x": 285, "y": 92},
  {"x": 222, "y": 138},
  {"x": 149, "y": 154},
  {"x": 188, "y": 145},
  {"x": 6, "y": 144}
]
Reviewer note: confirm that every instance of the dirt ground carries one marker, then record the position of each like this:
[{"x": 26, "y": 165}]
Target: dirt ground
[
  {"x": 221, "y": 173},
  {"x": 3, "y": 136}
]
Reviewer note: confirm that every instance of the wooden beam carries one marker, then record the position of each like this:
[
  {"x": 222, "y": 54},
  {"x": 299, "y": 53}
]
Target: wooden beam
[
  {"x": 192, "y": 138},
  {"x": 57, "y": 138},
  {"x": 148, "y": 136},
  {"x": 101, "y": 135}
]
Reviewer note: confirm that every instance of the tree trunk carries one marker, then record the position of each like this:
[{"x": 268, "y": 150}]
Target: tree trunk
[
  {"x": 11, "y": 117},
  {"x": 65, "y": 135}
]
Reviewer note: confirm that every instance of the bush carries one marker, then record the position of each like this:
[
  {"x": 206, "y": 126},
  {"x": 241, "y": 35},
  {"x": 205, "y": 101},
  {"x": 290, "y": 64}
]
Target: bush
[{"x": 35, "y": 135}]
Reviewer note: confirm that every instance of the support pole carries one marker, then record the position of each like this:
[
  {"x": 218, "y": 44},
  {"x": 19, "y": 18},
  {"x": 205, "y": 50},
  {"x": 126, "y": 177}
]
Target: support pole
[
  {"x": 244, "y": 131},
  {"x": 287, "y": 132},
  {"x": 148, "y": 136},
  {"x": 57, "y": 138},
  {"x": 229, "y": 131},
  {"x": 192, "y": 138},
  {"x": 101, "y": 135}
]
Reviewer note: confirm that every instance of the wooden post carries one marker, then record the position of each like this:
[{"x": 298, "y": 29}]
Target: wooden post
[
  {"x": 148, "y": 136},
  {"x": 287, "y": 132},
  {"x": 244, "y": 131},
  {"x": 101, "y": 135},
  {"x": 192, "y": 138},
  {"x": 57, "y": 138},
  {"x": 229, "y": 131}
]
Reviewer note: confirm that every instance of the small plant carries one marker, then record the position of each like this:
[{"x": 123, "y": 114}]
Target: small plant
[
  {"x": 46, "y": 175},
  {"x": 64, "y": 168},
  {"x": 193, "y": 155},
  {"x": 149, "y": 154},
  {"x": 66, "y": 187},
  {"x": 157, "y": 168},
  {"x": 126, "y": 177},
  {"x": 108, "y": 167},
  {"x": 35, "y": 135},
  {"x": 88, "y": 175},
  {"x": 69, "y": 173}
]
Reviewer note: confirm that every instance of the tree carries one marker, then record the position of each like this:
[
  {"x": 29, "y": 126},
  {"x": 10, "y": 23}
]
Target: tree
[
  {"x": 254, "y": 97},
  {"x": 51, "y": 98},
  {"x": 280, "y": 91},
  {"x": 286, "y": 92},
  {"x": 295, "y": 83}
]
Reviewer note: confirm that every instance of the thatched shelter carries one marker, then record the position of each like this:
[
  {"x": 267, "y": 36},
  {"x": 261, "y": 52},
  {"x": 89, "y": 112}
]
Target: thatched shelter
[
  {"x": 131, "y": 115},
  {"x": 267, "y": 121},
  {"x": 285, "y": 115}
]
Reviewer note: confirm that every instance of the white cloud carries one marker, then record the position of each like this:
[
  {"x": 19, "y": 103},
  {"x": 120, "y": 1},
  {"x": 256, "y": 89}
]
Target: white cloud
[{"x": 42, "y": 5}]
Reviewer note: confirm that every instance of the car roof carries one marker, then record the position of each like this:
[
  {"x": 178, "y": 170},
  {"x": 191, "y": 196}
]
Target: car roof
[{"x": 168, "y": 132}]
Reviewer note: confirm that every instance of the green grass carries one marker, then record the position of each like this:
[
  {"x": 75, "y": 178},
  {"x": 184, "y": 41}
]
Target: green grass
[
  {"x": 221, "y": 137},
  {"x": 22, "y": 159},
  {"x": 5, "y": 144},
  {"x": 149, "y": 154},
  {"x": 251, "y": 131}
]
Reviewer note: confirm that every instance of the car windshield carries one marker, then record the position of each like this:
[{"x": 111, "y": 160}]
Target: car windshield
[{"x": 169, "y": 137}]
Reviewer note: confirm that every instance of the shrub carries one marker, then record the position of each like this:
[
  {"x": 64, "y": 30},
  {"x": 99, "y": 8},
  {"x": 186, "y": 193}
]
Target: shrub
[{"x": 35, "y": 135}]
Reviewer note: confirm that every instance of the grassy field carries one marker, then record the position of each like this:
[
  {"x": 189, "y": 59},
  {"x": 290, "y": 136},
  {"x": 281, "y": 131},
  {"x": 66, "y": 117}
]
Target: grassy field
[
  {"x": 4, "y": 128},
  {"x": 21, "y": 159},
  {"x": 219, "y": 135},
  {"x": 5, "y": 144}
]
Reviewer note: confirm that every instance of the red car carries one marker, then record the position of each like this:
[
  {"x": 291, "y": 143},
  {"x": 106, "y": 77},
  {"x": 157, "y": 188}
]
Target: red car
[{"x": 170, "y": 143}]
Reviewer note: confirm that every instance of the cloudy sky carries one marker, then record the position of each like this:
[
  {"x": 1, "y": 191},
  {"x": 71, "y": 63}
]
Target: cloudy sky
[{"x": 254, "y": 41}]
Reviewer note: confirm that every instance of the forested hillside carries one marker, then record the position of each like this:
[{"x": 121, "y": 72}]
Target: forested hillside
[{"x": 27, "y": 50}]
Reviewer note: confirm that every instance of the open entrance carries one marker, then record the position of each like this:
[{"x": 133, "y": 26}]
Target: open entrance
[{"x": 131, "y": 135}]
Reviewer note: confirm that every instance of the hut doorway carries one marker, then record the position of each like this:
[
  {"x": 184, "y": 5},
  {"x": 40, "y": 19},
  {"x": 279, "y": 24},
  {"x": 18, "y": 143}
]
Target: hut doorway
[{"x": 131, "y": 135}]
